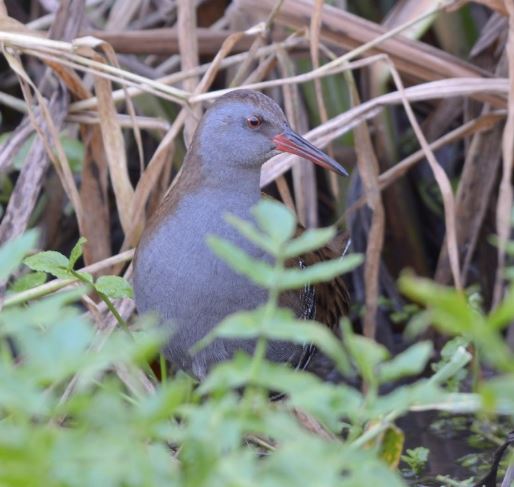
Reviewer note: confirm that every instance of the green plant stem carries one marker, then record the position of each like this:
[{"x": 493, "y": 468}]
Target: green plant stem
[
  {"x": 38, "y": 292},
  {"x": 260, "y": 348},
  {"x": 57, "y": 284},
  {"x": 376, "y": 430},
  {"x": 114, "y": 311},
  {"x": 459, "y": 359},
  {"x": 105, "y": 299},
  {"x": 163, "y": 367}
]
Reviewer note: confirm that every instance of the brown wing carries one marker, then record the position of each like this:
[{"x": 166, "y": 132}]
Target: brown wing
[{"x": 331, "y": 298}]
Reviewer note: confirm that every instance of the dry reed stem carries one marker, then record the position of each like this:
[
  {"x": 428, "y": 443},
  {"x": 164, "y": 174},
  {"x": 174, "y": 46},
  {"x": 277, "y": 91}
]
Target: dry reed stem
[
  {"x": 368, "y": 172},
  {"x": 63, "y": 52},
  {"x": 441, "y": 179},
  {"x": 314, "y": 34},
  {"x": 363, "y": 37},
  {"x": 118, "y": 95},
  {"x": 285, "y": 193},
  {"x": 343, "y": 123},
  {"x": 109, "y": 54},
  {"x": 54, "y": 149},
  {"x": 304, "y": 178},
  {"x": 86, "y": 117},
  {"x": 477, "y": 125},
  {"x": 188, "y": 45},
  {"x": 505, "y": 196},
  {"x": 114, "y": 147}
]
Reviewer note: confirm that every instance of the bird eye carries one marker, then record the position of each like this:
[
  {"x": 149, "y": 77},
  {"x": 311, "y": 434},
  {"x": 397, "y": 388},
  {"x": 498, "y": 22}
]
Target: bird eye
[{"x": 254, "y": 122}]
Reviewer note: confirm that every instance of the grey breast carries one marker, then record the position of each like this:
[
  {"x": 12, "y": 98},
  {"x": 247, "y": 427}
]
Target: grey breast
[{"x": 178, "y": 277}]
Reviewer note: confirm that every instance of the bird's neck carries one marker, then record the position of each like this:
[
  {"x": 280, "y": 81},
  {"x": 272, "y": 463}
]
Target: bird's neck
[
  {"x": 219, "y": 177},
  {"x": 200, "y": 189}
]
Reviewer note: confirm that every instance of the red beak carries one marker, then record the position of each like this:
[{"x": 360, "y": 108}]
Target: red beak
[{"x": 290, "y": 141}]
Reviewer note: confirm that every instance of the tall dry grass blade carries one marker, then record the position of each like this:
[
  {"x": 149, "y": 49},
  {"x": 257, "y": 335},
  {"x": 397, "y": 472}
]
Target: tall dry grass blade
[
  {"x": 48, "y": 146},
  {"x": 110, "y": 55},
  {"x": 365, "y": 38},
  {"x": 133, "y": 91},
  {"x": 442, "y": 181},
  {"x": 94, "y": 196},
  {"x": 258, "y": 42},
  {"x": 314, "y": 32},
  {"x": 304, "y": 176},
  {"x": 28, "y": 185},
  {"x": 368, "y": 171},
  {"x": 505, "y": 196},
  {"x": 188, "y": 44},
  {"x": 13, "y": 144},
  {"x": 48, "y": 133},
  {"x": 402, "y": 12},
  {"x": 94, "y": 178},
  {"x": 121, "y": 14},
  {"x": 285, "y": 193},
  {"x": 477, "y": 183},
  {"x": 72, "y": 54},
  {"x": 112, "y": 136},
  {"x": 343, "y": 123},
  {"x": 165, "y": 41},
  {"x": 481, "y": 124}
]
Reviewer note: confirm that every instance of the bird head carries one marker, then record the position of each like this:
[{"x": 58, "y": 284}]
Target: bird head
[{"x": 245, "y": 128}]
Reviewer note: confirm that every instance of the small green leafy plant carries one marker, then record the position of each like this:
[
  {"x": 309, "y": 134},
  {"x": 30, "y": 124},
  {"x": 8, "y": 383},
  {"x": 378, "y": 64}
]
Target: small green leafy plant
[
  {"x": 416, "y": 459},
  {"x": 60, "y": 266}
]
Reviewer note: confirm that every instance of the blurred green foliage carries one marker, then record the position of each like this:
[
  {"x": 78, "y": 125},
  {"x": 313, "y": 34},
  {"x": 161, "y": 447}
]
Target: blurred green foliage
[{"x": 67, "y": 419}]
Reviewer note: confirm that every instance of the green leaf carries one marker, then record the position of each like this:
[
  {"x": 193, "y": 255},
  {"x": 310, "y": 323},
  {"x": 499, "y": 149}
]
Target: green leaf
[
  {"x": 328, "y": 402},
  {"x": 76, "y": 252},
  {"x": 320, "y": 272},
  {"x": 451, "y": 312},
  {"x": 504, "y": 314},
  {"x": 367, "y": 354},
  {"x": 275, "y": 219},
  {"x": 85, "y": 276},
  {"x": 73, "y": 148},
  {"x": 28, "y": 281},
  {"x": 391, "y": 446},
  {"x": 51, "y": 262},
  {"x": 410, "y": 362},
  {"x": 12, "y": 252},
  {"x": 498, "y": 394},
  {"x": 281, "y": 324},
  {"x": 402, "y": 398},
  {"x": 449, "y": 307},
  {"x": 19, "y": 158},
  {"x": 416, "y": 458},
  {"x": 268, "y": 277},
  {"x": 114, "y": 287},
  {"x": 249, "y": 231},
  {"x": 308, "y": 241},
  {"x": 256, "y": 270}
]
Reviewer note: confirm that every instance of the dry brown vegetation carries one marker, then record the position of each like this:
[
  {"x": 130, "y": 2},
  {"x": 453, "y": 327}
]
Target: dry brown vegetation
[{"x": 129, "y": 79}]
